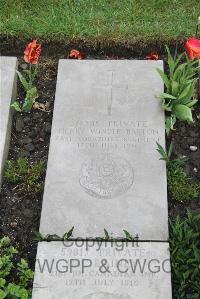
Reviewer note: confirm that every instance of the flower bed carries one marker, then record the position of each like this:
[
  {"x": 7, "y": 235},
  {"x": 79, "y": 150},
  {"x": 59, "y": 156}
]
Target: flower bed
[{"x": 30, "y": 139}]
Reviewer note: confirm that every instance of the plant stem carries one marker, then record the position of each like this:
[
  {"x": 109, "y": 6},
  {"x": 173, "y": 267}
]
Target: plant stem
[
  {"x": 176, "y": 50},
  {"x": 30, "y": 75}
]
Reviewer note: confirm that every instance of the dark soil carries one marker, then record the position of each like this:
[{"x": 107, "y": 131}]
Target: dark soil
[
  {"x": 182, "y": 138},
  {"x": 94, "y": 49},
  {"x": 20, "y": 214}
]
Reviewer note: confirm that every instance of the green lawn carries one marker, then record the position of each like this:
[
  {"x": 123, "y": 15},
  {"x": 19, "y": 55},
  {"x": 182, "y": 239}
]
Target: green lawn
[{"x": 118, "y": 20}]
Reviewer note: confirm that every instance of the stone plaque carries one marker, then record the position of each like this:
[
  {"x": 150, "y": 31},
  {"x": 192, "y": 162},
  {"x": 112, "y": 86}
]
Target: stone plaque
[
  {"x": 7, "y": 94},
  {"x": 103, "y": 168},
  {"x": 102, "y": 270}
]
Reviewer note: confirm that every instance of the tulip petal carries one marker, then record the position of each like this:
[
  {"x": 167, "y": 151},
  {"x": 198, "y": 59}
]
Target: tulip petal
[
  {"x": 193, "y": 48},
  {"x": 32, "y": 52}
]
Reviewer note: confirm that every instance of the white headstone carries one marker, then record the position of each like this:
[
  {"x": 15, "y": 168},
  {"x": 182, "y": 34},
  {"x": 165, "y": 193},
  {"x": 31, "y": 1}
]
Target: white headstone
[
  {"x": 103, "y": 168},
  {"x": 8, "y": 80},
  {"x": 95, "y": 270}
]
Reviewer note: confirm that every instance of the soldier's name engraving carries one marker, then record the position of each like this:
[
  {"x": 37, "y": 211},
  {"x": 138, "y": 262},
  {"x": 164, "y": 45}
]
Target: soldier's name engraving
[{"x": 108, "y": 134}]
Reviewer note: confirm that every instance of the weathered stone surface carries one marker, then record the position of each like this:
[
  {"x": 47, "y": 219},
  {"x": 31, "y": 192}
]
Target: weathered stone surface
[
  {"x": 103, "y": 169},
  {"x": 7, "y": 94},
  {"x": 136, "y": 270}
]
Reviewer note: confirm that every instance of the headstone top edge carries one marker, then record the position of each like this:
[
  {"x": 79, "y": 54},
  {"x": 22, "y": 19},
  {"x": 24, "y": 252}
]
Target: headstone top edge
[
  {"x": 9, "y": 63},
  {"x": 149, "y": 64},
  {"x": 83, "y": 61},
  {"x": 14, "y": 58}
]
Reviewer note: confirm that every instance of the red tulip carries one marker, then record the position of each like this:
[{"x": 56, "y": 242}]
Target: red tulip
[
  {"x": 32, "y": 52},
  {"x": 75, "y": 54},
  {"x": 152, "y": 56},
  {"x": 193, "y": 48}
]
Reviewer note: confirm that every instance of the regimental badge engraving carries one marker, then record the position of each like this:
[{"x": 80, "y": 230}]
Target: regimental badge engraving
[
  {"x": 106, "y": 296},
  {"x": 107, "y": 176}
]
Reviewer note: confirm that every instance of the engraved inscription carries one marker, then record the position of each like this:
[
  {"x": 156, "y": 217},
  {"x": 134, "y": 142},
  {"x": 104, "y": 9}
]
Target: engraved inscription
[
  {"x": 109, "y": 134},
  {"x": 107, "y": 176},
  {"x": 106, "y": 296}
]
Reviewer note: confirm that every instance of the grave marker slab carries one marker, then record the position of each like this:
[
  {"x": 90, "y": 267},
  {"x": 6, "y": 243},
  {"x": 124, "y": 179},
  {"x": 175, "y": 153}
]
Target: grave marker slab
[
  {"x": 103, "y": 168},
  {"x": 91, "y": 270},
  {"x": 8, "y": 80}
]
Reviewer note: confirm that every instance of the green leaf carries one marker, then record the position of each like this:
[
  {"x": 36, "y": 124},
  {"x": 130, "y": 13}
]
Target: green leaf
[
  {"x": 178, "y": 60},
  {"x": 23, "y": 81},
  {"x": 23, "y": 263},
  {"x": 13, "y": 289},
  {"x": 187, "y": 93},
  {"x": 68, "y": 234},
  {"x": 2, "y": 282},
  {"x": 34, "y": 73},
  {"x": 31, "y": 96},
  {"x": 16, "y": 106},
  {"x": 53, "y": 237},
  {"x": 3, "y": 294},
  {"x": 32, "y": 93},
  {"x": 175, "y": 88},
  {"x": 170, "y": 150},
  {"x": 27, "y": 106},
  {"x": 179, "y": 72},
  {"x": 107, "y": 237},
  {"x": 164, "y": 78},
  {"x": 169, "y": 123},
  {"x": 170, "y": 61},
  {"x": 27, "y": 72},
  {"x": 161, "y": 151},
  {"x": 164, "y": 95},
  {"x": 128, "y": 236},
  {"x": 183, "y": 113},
  {"x": 23, "y": 294},
  {"x": 192, "y": 103},
  {"x": 168, "y": 126},
  {"x": 38, "y": 236},
  {"x": 167, "y": 107}
]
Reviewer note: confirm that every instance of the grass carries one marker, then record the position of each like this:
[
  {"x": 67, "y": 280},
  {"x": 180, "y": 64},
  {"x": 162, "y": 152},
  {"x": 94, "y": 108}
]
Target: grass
[
  {"x": 185, "y": 256},
  {"x": 26, "y": 176},
  {"x": 180, "y": 186},
  {"x": 117, "y": 20}
]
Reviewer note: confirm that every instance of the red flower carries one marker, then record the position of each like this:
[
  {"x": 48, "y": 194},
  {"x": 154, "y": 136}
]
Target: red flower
[
  {"x": 32, "y": 52},
  {"x": 193, "y": 48},
  {"x": 75, "y": 54},
  {"x": 152, "y": 56}
]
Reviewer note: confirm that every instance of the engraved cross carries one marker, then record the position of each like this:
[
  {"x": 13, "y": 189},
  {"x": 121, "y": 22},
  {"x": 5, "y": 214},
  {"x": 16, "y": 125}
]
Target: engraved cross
[{"x": 110, "y": 86}]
